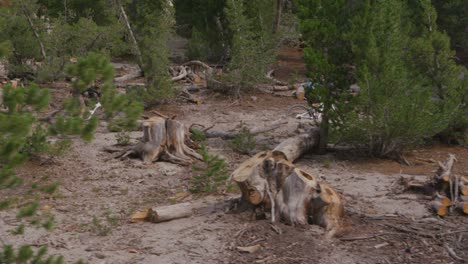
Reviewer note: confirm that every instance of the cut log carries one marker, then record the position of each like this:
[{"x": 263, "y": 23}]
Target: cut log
[
  {"x": 170, "y": 212},
  {"x": 294, "y": 147},
  {"x": 439, "y": 208},
  {"x": 163, "y": 139},
  {"x": 250, "y": 180},
  {"x": 463, "y": 207}
]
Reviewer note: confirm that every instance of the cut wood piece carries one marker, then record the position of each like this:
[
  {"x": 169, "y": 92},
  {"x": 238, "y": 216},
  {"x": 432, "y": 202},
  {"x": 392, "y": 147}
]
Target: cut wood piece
[
  {"x": 293, "y": 148},
  {"x": 170, "y": 212},
  {"x": 248, "y": 177},
  {"x": 295, "y": 196},
  {"x": 439, "y": 208},
  {"x": 140, "y": 216},
  {"x": 327, "y": 210},
  {"x": 249, "y": 249},
  {"x": 463, "y": 207}
]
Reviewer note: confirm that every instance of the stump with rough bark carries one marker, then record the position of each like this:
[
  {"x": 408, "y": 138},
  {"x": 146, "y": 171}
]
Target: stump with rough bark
[
  {"x": 270, "y": 180},
  {"x": 163, "y": 139}
]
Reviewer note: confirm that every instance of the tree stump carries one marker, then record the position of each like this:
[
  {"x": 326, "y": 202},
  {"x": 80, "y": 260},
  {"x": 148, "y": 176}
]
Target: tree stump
[
  {"x": 270, "y": 180},
  {"x": 163, "y": 139}
]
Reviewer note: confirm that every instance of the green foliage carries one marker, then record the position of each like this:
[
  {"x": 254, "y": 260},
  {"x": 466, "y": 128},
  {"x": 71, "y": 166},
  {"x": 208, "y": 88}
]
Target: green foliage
[
  {"x": 328, "y": 57},
  {"x": 153, "y": 22},
  {"x": 198, "y": 135},
  {"x": 244, "y": 143},
  {"x": 25, "y": 255},
  {"x": 211, "y": 175},
  {"x": 123, "y": 138},
  {"x": 204, "y": 23},
  {"x": 104, "y": 228},
  {"x": 252, "y": 41},
  {"x": 121, "y": 112},
  {"x": 453, "y": 20}
]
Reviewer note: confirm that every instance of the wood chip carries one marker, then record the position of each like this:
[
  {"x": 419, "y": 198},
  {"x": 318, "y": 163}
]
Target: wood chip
[
  {"x": 140, "y": 216},
  {"x": 381, "y": 245},
  {"x": 250, "y": 249}
]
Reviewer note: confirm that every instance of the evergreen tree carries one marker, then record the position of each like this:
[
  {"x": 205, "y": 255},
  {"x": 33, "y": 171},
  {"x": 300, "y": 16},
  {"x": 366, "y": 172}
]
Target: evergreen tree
[
  {"x": 396, "y": 106},
  {"x": 153, "y": 22},
  {"x": 252, "y": 41},
  {"x": 328, "y": 58},
  {"x": 203, "y": 22}
]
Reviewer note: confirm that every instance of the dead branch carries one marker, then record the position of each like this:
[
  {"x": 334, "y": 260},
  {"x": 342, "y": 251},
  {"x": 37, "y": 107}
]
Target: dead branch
[
  {"x": 269, "y": 75},
  {"x": 182, "y": 74},
  {"x": 253, "y": 131}
]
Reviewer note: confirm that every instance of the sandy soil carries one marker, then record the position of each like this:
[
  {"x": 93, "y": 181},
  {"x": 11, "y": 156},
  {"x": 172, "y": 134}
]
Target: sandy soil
[{"x": 98, "y": 194}]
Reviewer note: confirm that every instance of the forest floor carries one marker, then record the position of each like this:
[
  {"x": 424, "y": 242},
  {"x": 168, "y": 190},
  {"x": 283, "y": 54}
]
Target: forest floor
[{"x": 98, "y": 194}]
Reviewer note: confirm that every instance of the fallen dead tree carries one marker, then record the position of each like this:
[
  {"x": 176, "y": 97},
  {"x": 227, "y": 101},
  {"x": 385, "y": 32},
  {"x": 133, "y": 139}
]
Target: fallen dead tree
[
  {"x": 163, "y": 139},
  {"x": 270, "y": 180},
  {"x": 232, "y": 134},
  {"x": 449, "y": 190}
]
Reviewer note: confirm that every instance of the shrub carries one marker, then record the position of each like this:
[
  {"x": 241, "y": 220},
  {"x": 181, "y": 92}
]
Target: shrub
[{"x": 210, "y": 175}]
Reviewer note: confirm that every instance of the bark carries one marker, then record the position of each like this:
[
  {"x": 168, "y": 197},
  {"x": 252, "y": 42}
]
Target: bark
[{"x": 170, "y": 212}]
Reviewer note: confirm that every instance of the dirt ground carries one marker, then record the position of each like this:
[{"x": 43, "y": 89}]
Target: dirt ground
[{"x": 98, "y": 194}]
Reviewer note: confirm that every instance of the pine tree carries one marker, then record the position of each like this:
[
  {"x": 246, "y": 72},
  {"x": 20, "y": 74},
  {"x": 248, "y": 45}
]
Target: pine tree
[
  {"x": 328, "y": 58},
  {"x": 396, "y": 105},
  {"x": 252, "y": 41}
]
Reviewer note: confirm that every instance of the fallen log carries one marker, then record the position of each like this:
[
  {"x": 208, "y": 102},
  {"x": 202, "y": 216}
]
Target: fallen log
[
  {"x": 294, "y": 147},
  {"x": 169, "y": 212},
  {"x": 163, "y": 139}
]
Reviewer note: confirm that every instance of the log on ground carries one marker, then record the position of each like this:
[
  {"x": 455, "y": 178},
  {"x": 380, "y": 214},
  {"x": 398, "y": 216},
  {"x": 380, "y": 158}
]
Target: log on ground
[{"x": 170, "y": 212}]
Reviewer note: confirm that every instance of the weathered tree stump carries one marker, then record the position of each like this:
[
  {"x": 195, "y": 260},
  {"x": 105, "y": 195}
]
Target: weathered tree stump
[
  {"x": 270, "y": 179},
  {"x": 163, "y": 139}
]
